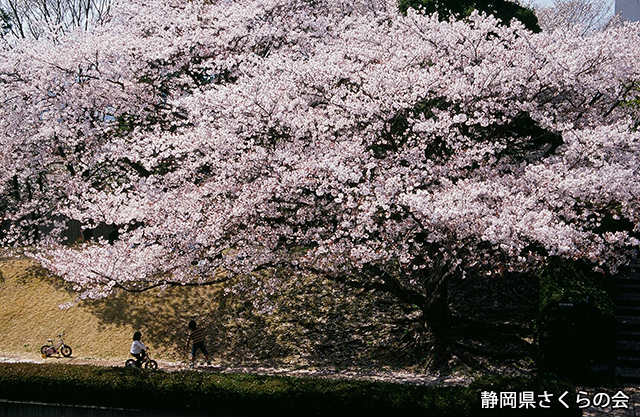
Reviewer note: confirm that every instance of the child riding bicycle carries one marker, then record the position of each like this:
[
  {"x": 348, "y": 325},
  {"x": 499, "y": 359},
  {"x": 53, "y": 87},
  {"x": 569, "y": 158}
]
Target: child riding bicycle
[{"x": 138, "y": 349}]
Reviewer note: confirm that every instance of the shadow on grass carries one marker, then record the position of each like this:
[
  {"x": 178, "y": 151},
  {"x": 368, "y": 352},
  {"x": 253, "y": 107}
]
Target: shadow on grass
[{"x": 161, "y": 316}]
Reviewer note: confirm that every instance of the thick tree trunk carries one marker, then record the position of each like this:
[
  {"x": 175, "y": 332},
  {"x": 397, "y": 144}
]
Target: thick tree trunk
[
  {"x": 438, "y": 320},
  {"x": 432, "y": 300}
]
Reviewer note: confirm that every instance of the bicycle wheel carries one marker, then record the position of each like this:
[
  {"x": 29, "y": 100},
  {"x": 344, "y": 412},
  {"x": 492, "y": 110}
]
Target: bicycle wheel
[
  {"x": 151, "y": 364},
  {"x": 130, "y": 363},
  {"x": 66, "y": 351},
  {"x": 44, "y": 349}
]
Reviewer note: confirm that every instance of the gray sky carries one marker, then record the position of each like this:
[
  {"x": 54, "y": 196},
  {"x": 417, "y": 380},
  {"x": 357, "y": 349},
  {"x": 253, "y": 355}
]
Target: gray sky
[
  {"x": 547, "y": 3},
  {"x": 544, "y": 3}
]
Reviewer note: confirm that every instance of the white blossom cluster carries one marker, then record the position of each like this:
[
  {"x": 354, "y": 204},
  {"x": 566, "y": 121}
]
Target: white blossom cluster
[{"x": 231, "y": 136}]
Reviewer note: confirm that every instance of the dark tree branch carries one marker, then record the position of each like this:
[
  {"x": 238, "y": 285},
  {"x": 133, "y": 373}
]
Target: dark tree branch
[
  {"x": 137, "y": 167},
  {"x": 162, "y": 283}
]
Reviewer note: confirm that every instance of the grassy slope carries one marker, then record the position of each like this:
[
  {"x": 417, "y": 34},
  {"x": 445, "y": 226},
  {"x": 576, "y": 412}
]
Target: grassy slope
[{"x": 30, "y": 314}]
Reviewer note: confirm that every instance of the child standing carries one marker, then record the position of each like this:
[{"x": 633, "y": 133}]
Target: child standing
[
  {"x": 138, "y": 349},
  {"x": 196, "y": 336}
]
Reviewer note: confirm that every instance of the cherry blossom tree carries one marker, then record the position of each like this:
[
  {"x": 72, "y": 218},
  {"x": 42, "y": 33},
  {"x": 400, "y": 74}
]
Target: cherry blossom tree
[{"x": 341, "y": 140}]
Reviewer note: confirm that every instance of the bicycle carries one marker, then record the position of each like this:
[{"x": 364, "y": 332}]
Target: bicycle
[
  {"x": 58, "y": 348},
  {"x": 147, "y": 362}
]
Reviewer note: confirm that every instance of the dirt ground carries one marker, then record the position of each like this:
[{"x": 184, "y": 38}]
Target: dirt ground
[{"x": 200, "y": 366}]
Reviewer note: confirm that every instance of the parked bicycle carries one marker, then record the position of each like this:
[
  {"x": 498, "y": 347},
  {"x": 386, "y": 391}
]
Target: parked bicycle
[
  {"x": 147, "y": 362},
  {"x": 56, "y": 349}
]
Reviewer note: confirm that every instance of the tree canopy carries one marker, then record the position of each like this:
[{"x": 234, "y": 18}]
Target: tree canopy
[{"x": 390, "y": 152}]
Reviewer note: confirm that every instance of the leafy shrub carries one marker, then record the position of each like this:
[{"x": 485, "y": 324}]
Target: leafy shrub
[
  {"x": 247, "y": 395},
  {"x": 576, "y": 327}
]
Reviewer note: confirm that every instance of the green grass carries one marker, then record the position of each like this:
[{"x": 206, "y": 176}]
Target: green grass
[{"x": 254, "y": 395}]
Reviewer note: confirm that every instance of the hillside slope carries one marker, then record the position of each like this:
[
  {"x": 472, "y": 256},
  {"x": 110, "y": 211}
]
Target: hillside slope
[{"x": 35, "y": 306}]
